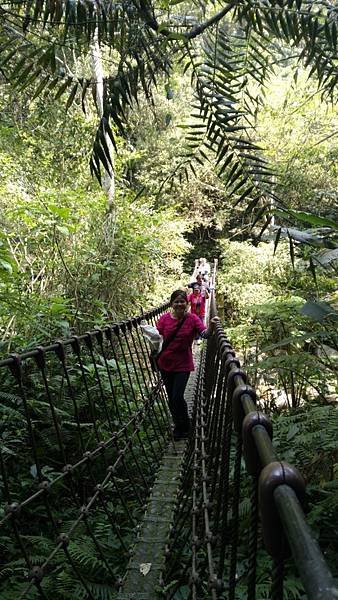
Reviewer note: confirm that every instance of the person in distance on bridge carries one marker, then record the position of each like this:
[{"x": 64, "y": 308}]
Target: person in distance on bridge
[
  {"x": 179, "y": 329},
  {"x": 201, "y": 284},
  {"x": 197, "y": 304},
  {"x": 202, "y": 267},
  {"x": 197, "y": 301}
]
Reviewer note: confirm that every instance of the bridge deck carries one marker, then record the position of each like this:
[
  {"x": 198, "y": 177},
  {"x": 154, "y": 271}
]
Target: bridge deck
[{"x": 147, "y": 562}]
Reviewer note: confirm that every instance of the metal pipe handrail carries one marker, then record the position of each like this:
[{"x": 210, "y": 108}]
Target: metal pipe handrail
[{"x": 313, "y": 570}]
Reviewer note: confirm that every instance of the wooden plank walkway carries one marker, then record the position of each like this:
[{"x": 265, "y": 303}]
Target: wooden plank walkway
[{"x": 143, "y": 573}]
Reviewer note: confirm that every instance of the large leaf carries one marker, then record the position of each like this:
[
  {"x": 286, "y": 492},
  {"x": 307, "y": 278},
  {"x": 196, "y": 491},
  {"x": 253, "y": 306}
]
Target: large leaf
[
  {"x": 319, "y": 311},
  {"x": 319, "y": 336},
  {"x": 326, "y": 257},
  {"x": 312, "y": 237},
  {"x": 313, "y": 219}
]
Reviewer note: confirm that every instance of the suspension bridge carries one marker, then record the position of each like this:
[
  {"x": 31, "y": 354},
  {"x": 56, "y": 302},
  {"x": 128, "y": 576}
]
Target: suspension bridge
[{"x": 99, "y": 502}]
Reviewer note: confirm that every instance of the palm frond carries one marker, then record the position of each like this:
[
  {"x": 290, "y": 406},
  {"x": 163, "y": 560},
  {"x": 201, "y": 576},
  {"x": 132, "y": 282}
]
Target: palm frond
[
  {"x": 310, "y": 27},
  {"x": 237, "y": 59},
  {"x": 81, "y": 18},
  {"x": 224, "y": 112},
  {"x": 43, "y": 68}
]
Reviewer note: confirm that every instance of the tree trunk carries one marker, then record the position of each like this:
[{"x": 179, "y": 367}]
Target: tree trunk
[{"x": 108, "y": 179}]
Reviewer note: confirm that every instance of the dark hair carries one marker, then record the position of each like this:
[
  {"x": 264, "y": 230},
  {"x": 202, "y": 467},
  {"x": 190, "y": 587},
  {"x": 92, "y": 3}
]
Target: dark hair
[{"x": 178, "y": 293}]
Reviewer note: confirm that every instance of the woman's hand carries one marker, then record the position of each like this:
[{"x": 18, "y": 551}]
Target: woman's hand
[{"x": 212, "y": 324}]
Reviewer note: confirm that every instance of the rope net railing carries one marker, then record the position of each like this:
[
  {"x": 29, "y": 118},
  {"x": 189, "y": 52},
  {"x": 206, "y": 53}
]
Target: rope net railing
[
  {"x": 84, "y": 423},
  {"x": 84, "y": 426},
  {"x": 239, "y": 530}
]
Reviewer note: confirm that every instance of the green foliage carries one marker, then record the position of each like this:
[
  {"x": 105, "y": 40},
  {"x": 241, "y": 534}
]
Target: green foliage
[
  {"x": 230, "y": 54},
  {"x": 308, "y": 438},
  {"x": 7, "y": 262},
  {"x": 298, "y": 131},
  {"x": 65, "y": 262},
  {"x": 250, "y": 274},
  {"x": 291, "y": 357},
  {"x": 287, "y": 336}
]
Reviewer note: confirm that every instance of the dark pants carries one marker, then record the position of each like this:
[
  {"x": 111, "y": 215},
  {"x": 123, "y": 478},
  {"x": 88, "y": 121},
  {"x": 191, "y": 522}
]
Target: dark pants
[{"x": 175, "y": 384}]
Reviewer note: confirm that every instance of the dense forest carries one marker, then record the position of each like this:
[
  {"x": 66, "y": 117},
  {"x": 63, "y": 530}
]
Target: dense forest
[{"x": 138, "y": 136}]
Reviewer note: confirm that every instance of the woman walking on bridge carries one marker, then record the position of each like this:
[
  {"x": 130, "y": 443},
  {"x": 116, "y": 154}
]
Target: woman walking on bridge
[
  {"x": 179, "y": 329},
  {"x": 197, "y": 301}
]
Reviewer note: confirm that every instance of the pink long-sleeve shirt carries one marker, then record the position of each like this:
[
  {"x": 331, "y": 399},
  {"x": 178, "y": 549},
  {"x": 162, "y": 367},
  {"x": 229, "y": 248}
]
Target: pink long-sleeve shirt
[{"x": 178, "y": 355}]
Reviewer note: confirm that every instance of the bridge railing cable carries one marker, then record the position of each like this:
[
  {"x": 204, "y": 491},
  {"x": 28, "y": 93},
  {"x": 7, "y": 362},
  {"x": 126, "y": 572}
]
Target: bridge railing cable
[
  {"x": 84, "y": 423},
  {"x": 224, "y": 509}
]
